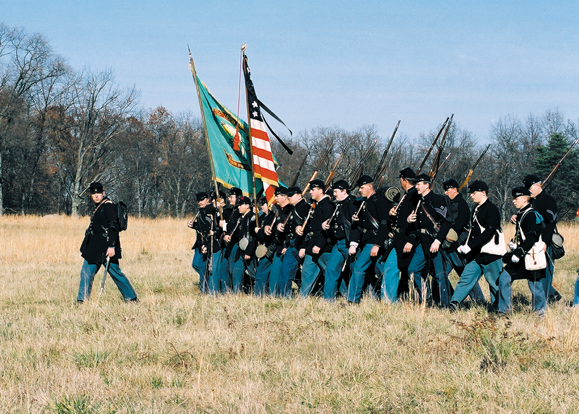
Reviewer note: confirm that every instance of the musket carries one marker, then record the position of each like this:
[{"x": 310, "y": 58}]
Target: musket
[
  {"x": 551, "y": 175},
  {"x": 295, "y": 180},
  {"x": 431, "y": 147},
  {"x": 333, "y": 171},
  {"x": 469, "y": 174},
  {"x": 440, "y": 166},
  {"x": 356, "y": 171},
  {"x": 435, "y": 164},
  {"x": 382, "y": 165},
  {"x": 315, "y": 173}
]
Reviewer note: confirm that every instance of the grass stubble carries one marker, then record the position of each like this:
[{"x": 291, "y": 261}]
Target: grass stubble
[{"x": 179, "y": 351}]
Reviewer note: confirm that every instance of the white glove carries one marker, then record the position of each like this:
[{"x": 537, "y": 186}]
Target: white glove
[
  {"x": 464, "y": 249},
  {"x": 515, "y": 259},
  {"x": 512, "y": 245}
]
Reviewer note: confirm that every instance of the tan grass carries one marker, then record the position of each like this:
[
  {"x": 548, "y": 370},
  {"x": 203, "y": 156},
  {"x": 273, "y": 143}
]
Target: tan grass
[{"x": 178, "y": 351}]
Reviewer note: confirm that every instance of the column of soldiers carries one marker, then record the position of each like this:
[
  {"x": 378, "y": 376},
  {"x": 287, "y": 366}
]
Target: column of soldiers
[{"x": 388, "y": 243}]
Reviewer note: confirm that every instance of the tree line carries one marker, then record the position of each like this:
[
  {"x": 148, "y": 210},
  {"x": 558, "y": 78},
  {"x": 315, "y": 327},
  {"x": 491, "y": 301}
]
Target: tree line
[{"x": 61, "y": 129}]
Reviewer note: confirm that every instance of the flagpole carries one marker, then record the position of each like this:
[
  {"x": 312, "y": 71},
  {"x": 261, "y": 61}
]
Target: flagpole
[
  {"x": 213, "y": 176},
  {"x": 243, "y": 46}
]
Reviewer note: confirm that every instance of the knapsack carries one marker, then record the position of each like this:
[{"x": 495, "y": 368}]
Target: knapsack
[{"x": 123, "y": 213}]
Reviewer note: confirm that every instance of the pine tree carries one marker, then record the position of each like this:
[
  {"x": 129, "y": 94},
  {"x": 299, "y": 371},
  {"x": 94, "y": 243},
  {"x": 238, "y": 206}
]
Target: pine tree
[{"x": 564, "y": 186}]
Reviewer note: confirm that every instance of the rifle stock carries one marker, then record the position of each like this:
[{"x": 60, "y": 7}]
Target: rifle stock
[{"x": 333, "y": 172}]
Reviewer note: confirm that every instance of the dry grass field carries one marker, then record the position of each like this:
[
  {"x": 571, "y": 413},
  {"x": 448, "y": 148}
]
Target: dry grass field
[{"x": 179, "y": 352}]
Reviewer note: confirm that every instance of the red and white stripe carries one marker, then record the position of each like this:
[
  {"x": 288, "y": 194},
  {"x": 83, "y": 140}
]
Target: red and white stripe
[{"x": 263, "y": 165}]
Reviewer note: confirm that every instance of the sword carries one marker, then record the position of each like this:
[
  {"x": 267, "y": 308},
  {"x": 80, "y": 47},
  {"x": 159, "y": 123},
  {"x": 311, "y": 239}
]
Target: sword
[{"x": 105, "y": 276}]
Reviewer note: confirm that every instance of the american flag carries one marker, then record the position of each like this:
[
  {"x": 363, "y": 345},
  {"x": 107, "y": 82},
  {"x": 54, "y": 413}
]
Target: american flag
[{"x": 263, "y": 165}]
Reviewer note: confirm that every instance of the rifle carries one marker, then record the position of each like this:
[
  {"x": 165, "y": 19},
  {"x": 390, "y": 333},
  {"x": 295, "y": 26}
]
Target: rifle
[
  {"x": 440, "y": 166},
  {"x": 356, "y": 172},
  {"x": 469, "y": 174},
  {"x": 551, "y": 175},
  {"x": 382, "y": 165},
  {"x": 315, "y": 174},
  {"x": 333, "y": 172},
  {"x": 435, "y": 164},
  {"x": 295, "y": 180},
  {"x": 431, "y": 147}
]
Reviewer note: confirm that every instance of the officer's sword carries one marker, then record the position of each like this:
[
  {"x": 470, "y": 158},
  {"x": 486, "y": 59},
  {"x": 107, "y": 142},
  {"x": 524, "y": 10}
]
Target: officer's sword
[{"x": 105, "y": 276}]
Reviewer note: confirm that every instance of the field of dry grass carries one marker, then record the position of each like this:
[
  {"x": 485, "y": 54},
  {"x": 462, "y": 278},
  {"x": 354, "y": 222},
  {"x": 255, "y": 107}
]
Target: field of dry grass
[{"x": 178, "y": 351}]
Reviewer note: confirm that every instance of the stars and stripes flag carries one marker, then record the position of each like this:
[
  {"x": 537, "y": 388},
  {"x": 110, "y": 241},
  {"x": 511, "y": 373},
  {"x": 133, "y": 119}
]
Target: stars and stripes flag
[{"x": 263, "y": 165}]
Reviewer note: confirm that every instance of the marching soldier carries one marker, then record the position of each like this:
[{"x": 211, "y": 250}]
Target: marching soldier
[
  {"x": 316, "y": 250},
  {"x": 244, "y": 236},
  {"x": 341, "y": 232},
  {"x": 431, "y": 216},
  {"x": 293, "y": 241},
  {"x": 485, "y": 222},
  {"x": 528, "y": 231},
  {"x": 459, "y": 218},
  {"x": 371, "y": 221},
  {"x": 278, "y": 238},
  {"x": 102, "y": 241},
  {"x": 394, "y": 266},
  {"x": 546, "y": 206},
  {"x": 202, "y": 226},
  {"x": 228, "y": 223},
  {"x": 266, "y": 220}
]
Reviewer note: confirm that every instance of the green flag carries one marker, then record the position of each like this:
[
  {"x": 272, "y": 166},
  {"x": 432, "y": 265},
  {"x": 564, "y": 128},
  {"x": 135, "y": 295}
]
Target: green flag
[{"x": 228, "y": 143}]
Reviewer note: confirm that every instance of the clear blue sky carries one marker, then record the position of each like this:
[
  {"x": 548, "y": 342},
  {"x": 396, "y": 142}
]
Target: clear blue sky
[{"x": 330, "y": 63}]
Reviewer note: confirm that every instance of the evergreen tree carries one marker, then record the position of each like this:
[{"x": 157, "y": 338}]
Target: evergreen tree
[{"x": 564, "y": 186}]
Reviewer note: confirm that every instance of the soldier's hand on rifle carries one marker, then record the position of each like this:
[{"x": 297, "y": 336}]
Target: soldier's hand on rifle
[
  {"x": 280, "y": 227},
  {"x": 267, "y": 230},
  {"x": 392, "y": 211},
  {"x": 302, "y": 253},
  {"x": 283, "y": 251},
  {"x": 375, "y": 250},
  {"x": 513, "y": 218},
  {"x": 247, "y": 257},
  {"x": 355, "y": 217},
  {"x": 407, "y": 248},
  {"x": 315, "y": 250},
  {"x": 352, "y": 250},
  {"x": 435, "y": 246},
  {"x": 411, "y": 218},
  {"x": 190, "y": 224},
  {"x": 110, "y": 252},
  {"x": 299, "y": 231},
  {"x": 227, "y": 238},
  {"x": 257, "y": 229},
  {"x": 326, "y": 224},
  {"x": 204, "y": 249}
]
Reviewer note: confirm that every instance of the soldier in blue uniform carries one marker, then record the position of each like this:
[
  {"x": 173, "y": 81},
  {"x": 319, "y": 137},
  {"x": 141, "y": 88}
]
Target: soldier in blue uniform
[
  {"x": 102, "y": 241},
  {"x": 243, "y": 234},
  {"x": 431, "y": 217},
  {"x": 371, "y": 221},
  {"x": 339, "y": 226},
  {"x": 459, "y": 218},
  {"x": 546, "y": 206},
  {"x": 528, "y": 231},
  {"x": 316, "y": 249},
  {"x": 293, "y": 242},
  {"x": 485, "y": 222}
]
